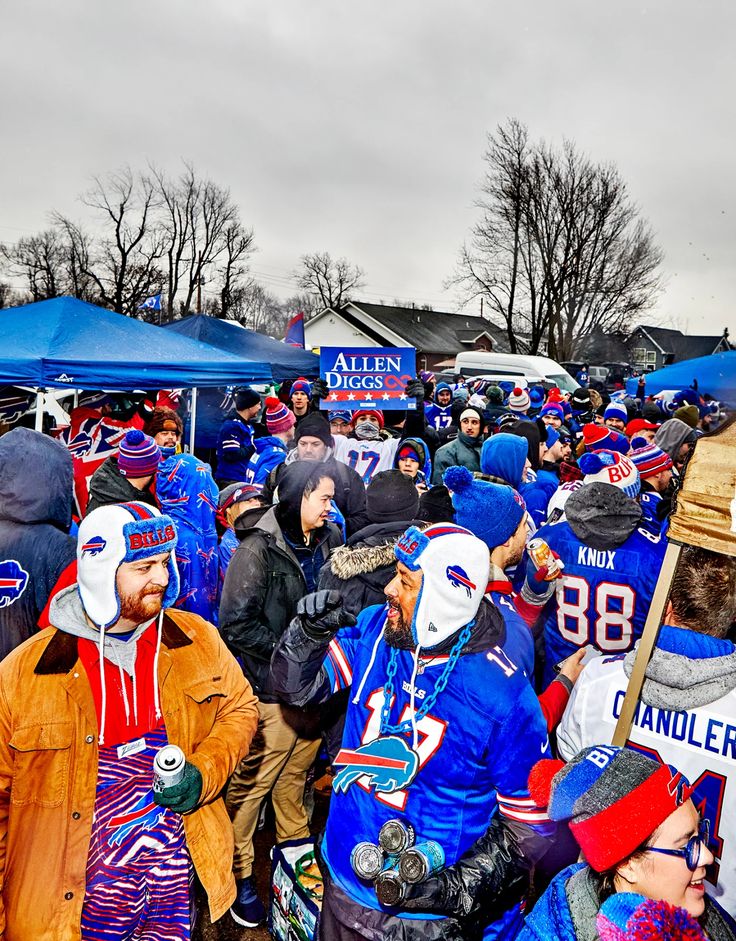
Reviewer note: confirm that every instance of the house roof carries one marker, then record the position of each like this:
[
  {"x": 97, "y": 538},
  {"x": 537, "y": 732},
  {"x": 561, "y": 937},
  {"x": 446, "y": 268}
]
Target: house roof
[
  {"x": 683, "y": 347},
  {"x": 431, "y": 331}
]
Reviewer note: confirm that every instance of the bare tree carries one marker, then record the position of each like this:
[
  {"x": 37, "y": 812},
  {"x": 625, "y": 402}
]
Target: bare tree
[
  {"x": 39, "y": 261},
  {"x": 559, "y": 252},
  {"x": 124, "y": 267},
  {"x": 331, "y": 282}
]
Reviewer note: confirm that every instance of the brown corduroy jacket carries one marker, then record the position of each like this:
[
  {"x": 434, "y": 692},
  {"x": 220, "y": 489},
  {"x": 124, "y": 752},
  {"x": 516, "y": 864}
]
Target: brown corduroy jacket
[{"x": 48, "y": 769}]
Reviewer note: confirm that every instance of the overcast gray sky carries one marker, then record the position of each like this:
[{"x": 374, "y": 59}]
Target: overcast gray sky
[{"x": 358, "y": 127}]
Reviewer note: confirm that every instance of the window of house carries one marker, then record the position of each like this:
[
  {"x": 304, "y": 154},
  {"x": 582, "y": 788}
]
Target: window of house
[
  {"x": 651, "y": 358},
  {"x": 640, "y": 357}
]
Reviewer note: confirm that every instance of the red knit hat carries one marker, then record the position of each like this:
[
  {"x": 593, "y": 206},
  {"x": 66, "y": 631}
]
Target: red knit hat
[
  {"x": 278, "y": 416},
  {"x": 376, "y": 413},
  {"x": 614, "y": 799},
  {"x": 603, "y": 438}
]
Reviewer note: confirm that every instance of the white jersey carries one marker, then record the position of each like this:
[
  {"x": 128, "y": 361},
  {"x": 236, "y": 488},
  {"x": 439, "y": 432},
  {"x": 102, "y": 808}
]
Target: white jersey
[
  {"x": 368, "y": 458},
  {"x": 699, "y": 742}
]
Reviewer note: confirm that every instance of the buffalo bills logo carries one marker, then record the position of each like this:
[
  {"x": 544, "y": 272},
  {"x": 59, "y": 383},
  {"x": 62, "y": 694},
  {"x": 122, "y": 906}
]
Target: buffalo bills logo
[
  {"x": 388, "y": 763},
  {"x": 94, "y": 546},
  {"x": 13, "y": 581},
  {"x": 458, "y": 578},
  {"x": 144, "y": 815},
  {"x": 80, "y": 444}
]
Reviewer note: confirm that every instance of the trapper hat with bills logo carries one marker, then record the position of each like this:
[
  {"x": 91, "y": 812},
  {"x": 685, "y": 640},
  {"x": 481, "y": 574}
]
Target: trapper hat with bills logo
[
  {"x": 456, "y": 566},
  {"x": 111, "y": 535}
]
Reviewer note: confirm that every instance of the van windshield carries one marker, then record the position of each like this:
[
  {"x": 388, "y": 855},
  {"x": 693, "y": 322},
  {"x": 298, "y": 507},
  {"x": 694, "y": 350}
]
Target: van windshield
[{"x": 563, "y": 381}]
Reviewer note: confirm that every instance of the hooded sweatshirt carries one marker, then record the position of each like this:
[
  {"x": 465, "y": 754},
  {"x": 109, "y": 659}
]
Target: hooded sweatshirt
[
  {"x": 671, "y": 436},
  {"x": 108, "y": 486},
  {"x": 502, "y": 459},
  {"x": 35, "y": 515},
  {"x": 611, "y": 569},
  {"x": 424, "y": 474}
]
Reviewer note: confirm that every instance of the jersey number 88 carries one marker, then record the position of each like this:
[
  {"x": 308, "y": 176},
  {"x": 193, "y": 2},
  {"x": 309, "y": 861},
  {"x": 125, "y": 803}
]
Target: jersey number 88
[{"x": 613, "y": 610}]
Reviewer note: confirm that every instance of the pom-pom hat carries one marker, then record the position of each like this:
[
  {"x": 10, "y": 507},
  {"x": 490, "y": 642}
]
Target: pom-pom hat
[
  {"x": 139, "y": 455},
  {"x": 610, "y": 467},
  {"x": 278, "y": 416},
  {"x": 455, "y": 565},
  {"x": 628, "y": 916},
  {"x": 650, "y": 461},
  {"x": 614, "y": 799},
  {"x": 519, "y": 400},
  {"x": 301, "y": 385},
  {"x": 603, "y": 438},
  {"x": 492, "y": 512}
]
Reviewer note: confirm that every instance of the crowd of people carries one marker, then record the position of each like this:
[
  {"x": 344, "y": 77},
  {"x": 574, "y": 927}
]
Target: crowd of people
[{"x": 440, "y": 606}]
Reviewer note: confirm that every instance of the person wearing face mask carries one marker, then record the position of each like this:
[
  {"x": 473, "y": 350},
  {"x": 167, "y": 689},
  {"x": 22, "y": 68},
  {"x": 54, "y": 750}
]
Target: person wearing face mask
[
  {"x": 640, "y": 833},
  {"x": 431, "y": 692},
  {"x": 464, "y": 450},
  {"x": 277, "y": 562}
]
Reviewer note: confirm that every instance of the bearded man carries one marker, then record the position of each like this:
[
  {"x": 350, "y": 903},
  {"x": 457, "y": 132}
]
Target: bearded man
[{"x": 441, "y": 732}]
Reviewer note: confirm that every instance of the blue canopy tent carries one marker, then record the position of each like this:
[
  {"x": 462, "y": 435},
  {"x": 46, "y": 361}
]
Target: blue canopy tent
[
  {"x": 67, "y": 343},
  {"x": 286, "y": 362},
  {"x": 715, "y": 374}
]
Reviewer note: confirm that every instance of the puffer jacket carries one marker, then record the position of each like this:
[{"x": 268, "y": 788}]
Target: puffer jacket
[
  {"x": 35, "y": 515},
  {"x": 263, "y": 585},
  {"x": 462, "y": 452},
  {"x": 48, "y": 769},
  {"x": 361, "y": 569}
]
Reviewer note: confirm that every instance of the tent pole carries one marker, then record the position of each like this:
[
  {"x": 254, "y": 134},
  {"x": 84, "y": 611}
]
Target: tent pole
[
  {"x": 193, "y": 421},
  {"x": 39, "y": 410}
]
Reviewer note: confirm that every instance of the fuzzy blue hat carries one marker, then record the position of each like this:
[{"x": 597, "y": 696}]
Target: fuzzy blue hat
[
  {"x": 492, "y": 512},
  {"x": 504, "y": 456},
  {"x": 442, "y": 387}
]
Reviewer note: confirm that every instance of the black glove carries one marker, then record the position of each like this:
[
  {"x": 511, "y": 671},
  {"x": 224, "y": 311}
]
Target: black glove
[
  {"x": 319, "y": 389},
  {"x": 489, "y": 879},
  {"x": 322, "y": 614},
  {"x": 182, "y": 797},
  {"x": 415, "y": 389}
]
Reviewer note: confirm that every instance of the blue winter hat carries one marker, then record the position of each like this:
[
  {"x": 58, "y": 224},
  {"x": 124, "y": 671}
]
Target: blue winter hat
[
  {"x": 340, "y": 414},
  {"x": 461, "y": 393},
  {"x": 492, "y": 512},
  {"x": 553, "y": 436},
  {"x": 553, "y": 408},
  {"x": 616, "y": 410},
  {"x": 301, "y": 385},
  {"x": 536, "y": 396},
  {"x": 504, "y": 456},
  {"x": 442, "y": 387}
]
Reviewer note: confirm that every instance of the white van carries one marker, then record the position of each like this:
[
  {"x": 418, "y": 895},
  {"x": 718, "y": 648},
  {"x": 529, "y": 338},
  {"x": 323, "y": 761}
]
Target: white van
[{"x": 524, "y": 370}]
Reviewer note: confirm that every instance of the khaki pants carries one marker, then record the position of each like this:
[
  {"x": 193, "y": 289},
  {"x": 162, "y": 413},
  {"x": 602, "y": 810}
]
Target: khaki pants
[{"x": 277, "y": 762}]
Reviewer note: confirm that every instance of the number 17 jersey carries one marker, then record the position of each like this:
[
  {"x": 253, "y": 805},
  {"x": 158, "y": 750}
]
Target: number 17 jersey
[
  {"x": 368, "y": 458},
  {"x": 603, "y": 596}
]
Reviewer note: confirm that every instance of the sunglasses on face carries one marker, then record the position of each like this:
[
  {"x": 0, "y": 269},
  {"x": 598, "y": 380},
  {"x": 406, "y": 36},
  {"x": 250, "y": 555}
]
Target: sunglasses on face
[{"x": 691, "y": 852}]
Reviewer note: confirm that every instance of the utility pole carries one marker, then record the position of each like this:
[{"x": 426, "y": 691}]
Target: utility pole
[{"x": 481, "y": 305}]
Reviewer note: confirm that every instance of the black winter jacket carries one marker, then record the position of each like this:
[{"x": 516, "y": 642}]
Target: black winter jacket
[
  {"x": 263, "y": 585},
  {"x": 108, "y": 486},
  {"x": 361, "y": 569},
  {"x": 35, "y": 515}
]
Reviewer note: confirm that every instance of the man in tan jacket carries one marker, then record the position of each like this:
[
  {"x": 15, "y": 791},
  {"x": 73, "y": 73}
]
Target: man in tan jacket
[{"x": 87, "y": 848}]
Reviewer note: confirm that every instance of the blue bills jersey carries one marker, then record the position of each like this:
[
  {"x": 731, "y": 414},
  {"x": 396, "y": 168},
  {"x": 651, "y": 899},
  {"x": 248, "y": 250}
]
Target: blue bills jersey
[
  {"x": 603, "y": 596},
  {"x": 469, "y": 764},
  {"x": 438, "y": 416}
]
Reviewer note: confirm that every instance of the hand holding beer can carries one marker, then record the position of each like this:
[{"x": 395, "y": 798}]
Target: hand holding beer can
[
  {"x": 545, "y": 561},
  {"x": 168, "y": 767}
]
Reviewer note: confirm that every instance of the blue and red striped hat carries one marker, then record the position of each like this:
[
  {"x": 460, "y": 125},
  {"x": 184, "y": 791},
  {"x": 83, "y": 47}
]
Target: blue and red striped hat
[{"x": 139, "y": 455}]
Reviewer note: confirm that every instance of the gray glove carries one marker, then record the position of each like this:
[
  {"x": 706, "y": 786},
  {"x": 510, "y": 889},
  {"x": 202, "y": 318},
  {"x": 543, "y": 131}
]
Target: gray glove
[{"x": 322, "y": 614}]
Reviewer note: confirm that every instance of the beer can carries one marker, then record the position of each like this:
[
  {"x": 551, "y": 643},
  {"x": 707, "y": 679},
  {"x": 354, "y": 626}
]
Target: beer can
[
  {"x": 420, "y": 861},
  {"x": 168, "y": 767},
  {"x": 390, "y": 887},
  {"x": 367, "y": 860},
  {"x": 395, "y": 836},
  {"x": 541, "y": 555}
]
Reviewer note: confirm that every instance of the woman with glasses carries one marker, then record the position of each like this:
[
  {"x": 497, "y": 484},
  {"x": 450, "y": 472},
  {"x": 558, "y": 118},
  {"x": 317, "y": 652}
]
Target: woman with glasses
[{"x": 639, "y": 833}]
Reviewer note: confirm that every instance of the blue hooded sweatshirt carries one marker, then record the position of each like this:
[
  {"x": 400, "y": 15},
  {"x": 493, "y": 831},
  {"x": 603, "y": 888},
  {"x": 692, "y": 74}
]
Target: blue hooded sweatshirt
[
  {"x": 269, "y": 453},
  {"x": 504, "y": 456},
  {"x": 186, "y": 491}
]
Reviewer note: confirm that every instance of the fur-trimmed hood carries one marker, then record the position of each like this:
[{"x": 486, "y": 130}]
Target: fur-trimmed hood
[{"x": 369, "y": 550}]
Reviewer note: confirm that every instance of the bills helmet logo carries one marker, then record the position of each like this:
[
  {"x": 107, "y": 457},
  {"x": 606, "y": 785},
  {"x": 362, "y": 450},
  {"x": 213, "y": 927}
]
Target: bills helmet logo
[
  {"x": 13, "y": 582},
  {"x": 388, "y": 763},
  {"x": 94, "y": 546},
  {"x": 459, "y": 578},
  {"x": 144, "y": 815}
]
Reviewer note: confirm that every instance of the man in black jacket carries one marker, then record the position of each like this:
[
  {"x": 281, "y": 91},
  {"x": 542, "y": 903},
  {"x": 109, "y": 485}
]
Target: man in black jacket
[
  {"x": 277, "y": 563},
  {"x": 313, "y": 442}
]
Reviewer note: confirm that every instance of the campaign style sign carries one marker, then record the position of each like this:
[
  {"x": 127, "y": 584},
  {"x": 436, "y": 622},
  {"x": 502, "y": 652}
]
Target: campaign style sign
[{"x": 367, "y": 377}]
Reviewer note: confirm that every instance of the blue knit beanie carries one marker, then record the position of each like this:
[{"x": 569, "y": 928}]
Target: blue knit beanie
[
  {"x": 616, "y": 410},
  {"x": 536, "y": 396},
  {"x": 442, "y": 387},
  {"x": 491, "y": 512},
  {"x": 301, "y": 385},
  {"x": 504, "y": 456}
]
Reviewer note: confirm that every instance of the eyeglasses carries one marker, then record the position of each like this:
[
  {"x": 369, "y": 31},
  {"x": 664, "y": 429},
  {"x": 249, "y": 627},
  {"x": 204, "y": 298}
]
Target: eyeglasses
[{"x": 691, "y": 852}]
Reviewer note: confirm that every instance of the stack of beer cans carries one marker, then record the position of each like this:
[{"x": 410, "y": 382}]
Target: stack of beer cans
[{"x": 396, "y": 861}]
